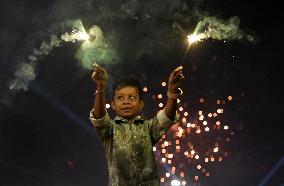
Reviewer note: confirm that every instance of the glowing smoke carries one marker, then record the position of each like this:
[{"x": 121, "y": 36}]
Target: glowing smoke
[
  {"x": 132, "y": 29},
  {"x": 26, "y": 71},
  {"x": 23, "y": 76},
  {"x": 93, "y": 48},
  {"x": 218, "y": 29},
  {"x": 212, "y": 27}
]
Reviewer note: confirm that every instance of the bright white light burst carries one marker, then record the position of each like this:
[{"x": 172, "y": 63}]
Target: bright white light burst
[
  {"x": 82, "y": 36},
  {"x": 175, "y": 182},
  {"x": 193, "y": 38}
]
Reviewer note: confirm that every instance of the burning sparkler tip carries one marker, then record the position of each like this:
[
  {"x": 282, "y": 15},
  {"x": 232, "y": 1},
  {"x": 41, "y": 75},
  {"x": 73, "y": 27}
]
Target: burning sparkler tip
[{"x": 192, "y": 38}]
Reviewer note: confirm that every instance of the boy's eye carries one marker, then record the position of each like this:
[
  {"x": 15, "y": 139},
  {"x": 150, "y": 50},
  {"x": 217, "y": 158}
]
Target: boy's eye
[
  {"x": 120, "y": 97},
  {"x": 132, "y": 97}
]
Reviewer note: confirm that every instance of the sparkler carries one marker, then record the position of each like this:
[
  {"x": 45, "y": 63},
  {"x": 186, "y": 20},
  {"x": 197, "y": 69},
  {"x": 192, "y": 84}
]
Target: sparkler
[
  {"x": 93, "y": 47},
  {"x": 192, "y": 38},
  {"x": 75, "y": 35},
  {"x": 26, "y": 72},
  {"x": 211, "y": 27},
  {"x": 77, "y": 31}
]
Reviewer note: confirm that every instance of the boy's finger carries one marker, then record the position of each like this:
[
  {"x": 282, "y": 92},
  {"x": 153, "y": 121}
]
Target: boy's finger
[
  {"x": 94, "y": 74},
  {"x": 178, "y": 73},
  {"x": 100, "y": 68},
  {"x": 178, "y": 69},
  {"x": 181, "y": 77},
  {"x": 96, "y": 66}
]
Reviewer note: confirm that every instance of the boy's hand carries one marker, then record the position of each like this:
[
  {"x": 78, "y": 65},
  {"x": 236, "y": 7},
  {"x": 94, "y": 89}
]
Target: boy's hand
[
  {"x": 99, "y": 76},
  {"x": 175, "y": 80}
]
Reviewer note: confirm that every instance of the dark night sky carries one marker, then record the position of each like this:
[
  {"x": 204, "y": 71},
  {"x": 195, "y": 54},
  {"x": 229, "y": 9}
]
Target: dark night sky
[{"x": 45, "y": 135}]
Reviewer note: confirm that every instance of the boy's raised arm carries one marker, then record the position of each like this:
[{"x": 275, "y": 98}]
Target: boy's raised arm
[
  {"x": 175, "y": 81},
  {"x": 100, "y": 78}
]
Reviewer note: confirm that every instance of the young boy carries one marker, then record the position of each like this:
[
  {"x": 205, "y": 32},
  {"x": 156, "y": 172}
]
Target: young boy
[{"x": 128, "y": 140}]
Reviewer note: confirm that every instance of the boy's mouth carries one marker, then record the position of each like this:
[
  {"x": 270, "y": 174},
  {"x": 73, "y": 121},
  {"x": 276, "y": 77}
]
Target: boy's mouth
[{"x": 126, "y": 109}]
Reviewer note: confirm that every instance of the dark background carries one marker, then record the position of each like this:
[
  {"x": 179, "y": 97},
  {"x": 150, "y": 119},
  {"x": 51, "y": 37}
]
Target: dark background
[{"x": 45, "y": 135}]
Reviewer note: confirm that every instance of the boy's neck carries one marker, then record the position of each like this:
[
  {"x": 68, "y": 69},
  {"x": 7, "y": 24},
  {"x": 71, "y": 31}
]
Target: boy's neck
[{"x": 130, "y": 120}]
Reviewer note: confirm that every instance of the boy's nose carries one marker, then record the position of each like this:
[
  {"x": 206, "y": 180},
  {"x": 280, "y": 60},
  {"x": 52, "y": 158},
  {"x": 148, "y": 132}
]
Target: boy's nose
[{"x": 125, "y": 102}]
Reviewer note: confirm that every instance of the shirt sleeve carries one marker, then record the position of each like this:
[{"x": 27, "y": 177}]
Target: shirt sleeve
[
  {"x": 103, "y": 122},
  {"x": 159, "y": 125},
  {"x": 103, "y": 126}
]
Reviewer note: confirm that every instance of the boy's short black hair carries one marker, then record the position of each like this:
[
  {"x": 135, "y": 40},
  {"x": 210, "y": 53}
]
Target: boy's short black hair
[{"x": 128, "y": 82}]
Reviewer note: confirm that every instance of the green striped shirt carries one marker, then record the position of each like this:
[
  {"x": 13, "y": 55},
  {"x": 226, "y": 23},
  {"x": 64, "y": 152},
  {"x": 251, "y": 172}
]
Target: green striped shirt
[{"x": 129, "y": 148}]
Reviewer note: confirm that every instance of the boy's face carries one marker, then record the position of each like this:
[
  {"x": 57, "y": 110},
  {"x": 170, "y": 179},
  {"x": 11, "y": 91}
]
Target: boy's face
[{"x": 126, "y": 102}]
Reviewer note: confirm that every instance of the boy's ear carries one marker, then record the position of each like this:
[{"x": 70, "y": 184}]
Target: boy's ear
[
  {"x": 141, "y": 105},
  {"x": 112, "y": 105}
]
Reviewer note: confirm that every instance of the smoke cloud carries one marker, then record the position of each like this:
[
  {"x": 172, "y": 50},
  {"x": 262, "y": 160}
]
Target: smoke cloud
[
  {"x": 93, "y": 48},
  {"x": 120, "y": 32},
  {"x": 219, "y": 29}
]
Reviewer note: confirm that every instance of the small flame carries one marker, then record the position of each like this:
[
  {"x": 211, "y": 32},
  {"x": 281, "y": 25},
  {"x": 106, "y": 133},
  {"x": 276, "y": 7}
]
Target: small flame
[
  {"x": 82, "y": 36},
  {"x": 192, "y": 38},
  {"x": 75, "y": 36}
]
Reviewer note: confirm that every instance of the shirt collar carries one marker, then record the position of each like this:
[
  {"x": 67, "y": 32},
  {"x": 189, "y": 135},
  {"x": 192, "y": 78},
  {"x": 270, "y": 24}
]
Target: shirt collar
[{"x": 120, "y": 120}]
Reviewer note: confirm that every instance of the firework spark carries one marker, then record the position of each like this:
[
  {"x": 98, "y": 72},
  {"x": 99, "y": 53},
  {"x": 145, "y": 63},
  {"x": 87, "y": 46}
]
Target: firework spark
[{"x": 194, "y": 146}]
